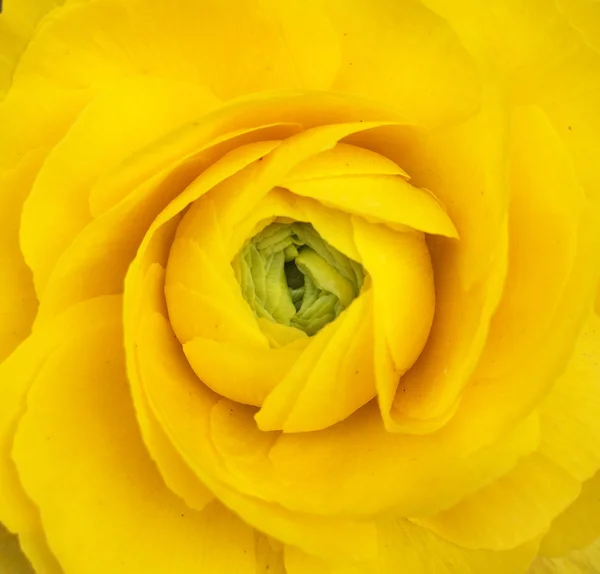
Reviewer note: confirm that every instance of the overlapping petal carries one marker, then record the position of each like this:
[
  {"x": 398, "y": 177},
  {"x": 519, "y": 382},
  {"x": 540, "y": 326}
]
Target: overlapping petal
[{"x": 440, "y": 393}]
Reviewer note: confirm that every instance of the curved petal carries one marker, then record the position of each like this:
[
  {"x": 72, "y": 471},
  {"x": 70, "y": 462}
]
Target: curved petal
[
  {"x": 17, "y": 24},
  {"x": 83, "y": 386},
  {"x": 404, "y": 302},
  {"x": 11, "y": 558},
  {"x": 568, "y": 93},
  {"x": 261, "y": 48},
  {"x": 115, "y": 126},
  {"x": 584, "y": 15},
  {"x": 465, "y": 167},
  {"x": 17, "y": 374},
  {"x": 89, "y": 269},
  {"x": 399, "y": 53},
  {"x": 332, "y": 378},
  {"x": 569, "y": 419},
  {"x": 406, "y": 547},
  {"x": 584, "y": 561},
  {"x": 342, "y": 160},
  {"x": 379, "y": 198},
  {"x": 539, "y": 36},
  {"x": 18, "y": 303},
  {"x": 239, "y": 444},
  {"x": 544, "y": 189},
  {"x": 511, "y": 511},
  {"x": 578, "y": 526}
]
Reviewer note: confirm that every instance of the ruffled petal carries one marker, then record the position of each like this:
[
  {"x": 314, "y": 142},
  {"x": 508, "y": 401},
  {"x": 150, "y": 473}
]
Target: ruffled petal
[
  {"x": 379, "y": 198},
  {"x": 17, "y": 374},
  {"x": 569, "y": 419},
  {"x": 584, "y": 16},
  {"x": 12, "y": 558},
  {"x": 18, "y": 303},
  {"x": 115, "y": 126},
  {"x": 331, "y": 379},
  {"x": 465, "y": 167},
  {"x": 406, "y": 547},
  {"x": 539, "y": 35},
  {"x": 584, "y": 561},
  {"x": 83, "y": 386},
  {"x": 511, "y": 511},
  {"x": 543, "y": 188},
  {"x": 578, "y": 526},
  {"x": 399, "y": 53},
  {"x": 17, "y": 24}
]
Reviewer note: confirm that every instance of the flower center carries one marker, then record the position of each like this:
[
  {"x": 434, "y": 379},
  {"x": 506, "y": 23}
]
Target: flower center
[{"x": 290, "y": 275}]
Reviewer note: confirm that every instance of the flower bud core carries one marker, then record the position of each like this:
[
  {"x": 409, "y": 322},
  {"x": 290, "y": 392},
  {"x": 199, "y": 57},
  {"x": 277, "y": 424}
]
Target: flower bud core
[{"x": 290, "y": 275}]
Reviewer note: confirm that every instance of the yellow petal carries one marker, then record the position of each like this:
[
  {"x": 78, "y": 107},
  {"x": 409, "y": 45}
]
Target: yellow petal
[
  {"x": 17, "y": 24},
  {"x": 490, "y": 407},
  {"x": 88, "y": 268},
  {"x": 18, "y": 303},
  {"x": 17, "y": 374},
  {"x": 400, "y": 472},
  {"x": 241, "y": 373},
  {"x": 333, "y": 225},
  {"x": 404, "y": 301},
  {"x": 189, "y": 403},
  {"x": 578, "y": 526},
  {"x": 543, "y": 189},
  {"x": 77, "y": 440},
  {"x": 399, "y": 53},
  {"x": 194, "y": 315},
  {"x": 465, "y": 168},
  {"x": 114, "y": 125},
  {"x": 261, "y": 49},
  {"x": 269, "y": 555},
  {"x": 176, "y": 474},
  {"x": 584, "y": 561},
  {"x": 406, "y": 547},
  {"x": 12, "y": 558},
  {"x": 516, "y": 36},
  {"x": 344, "y": 159},
  {"x": 331, "y": 379},
  {"x": 569, "y": 415},
  {"x": 584, "y": 15},
  {"x": 511, "y": 511},
  {"x": 568, "y": 93},
  {"x": 379, "y": 198}
]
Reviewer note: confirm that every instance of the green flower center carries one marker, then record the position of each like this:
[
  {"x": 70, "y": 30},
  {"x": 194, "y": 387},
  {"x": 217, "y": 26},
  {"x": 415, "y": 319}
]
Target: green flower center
[{"x": 290, "y": 275}]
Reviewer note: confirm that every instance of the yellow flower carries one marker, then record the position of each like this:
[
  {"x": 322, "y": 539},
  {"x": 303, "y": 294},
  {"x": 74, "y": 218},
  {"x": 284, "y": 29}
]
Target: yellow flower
[{"x": 300, "y": 286}]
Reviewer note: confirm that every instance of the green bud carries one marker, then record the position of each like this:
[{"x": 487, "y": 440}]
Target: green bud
[{"x": 290, "y": 275}]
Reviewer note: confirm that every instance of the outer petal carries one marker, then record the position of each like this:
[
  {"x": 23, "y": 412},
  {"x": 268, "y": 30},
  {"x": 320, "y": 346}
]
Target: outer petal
[
  {"x": 406, "y": 547},
  {"x": 11, "y": 558},
  {"x": 539, "y": 35},
  {"x": 399, "y": 53},
  {"x": 569, "y": 416},
  {"x": 105, "y": 472},
  {"x": 260, "y": 48},
  {"x": 521, "y": 505},
  {"x": 17, "y": 24},
  {"x": 578, "y": 526},
  {"x": 512, "y": 510},
  {"x": 544, "y": 189},
  {"x": 113, "y": 127},
  {"x": 469, "y": 273},
  {"x": 584, "y": 15},
  {"x": 584, "y": 561},
  {"x": 16, "y": 376},
  {"x": 18, "y": 303}
]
